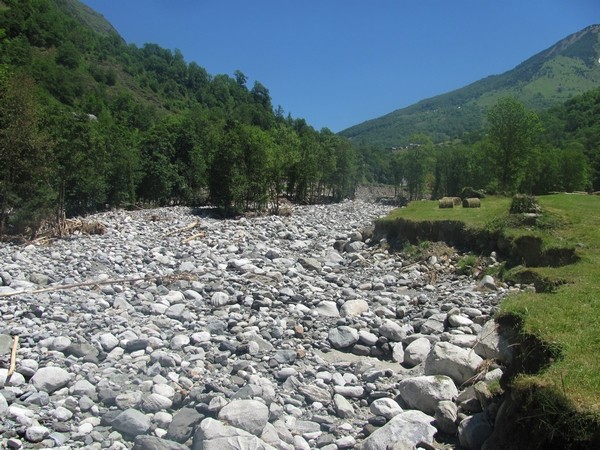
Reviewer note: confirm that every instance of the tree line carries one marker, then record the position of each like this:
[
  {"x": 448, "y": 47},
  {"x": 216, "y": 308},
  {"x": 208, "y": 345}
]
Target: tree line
[{"x": 518, "y": 151}]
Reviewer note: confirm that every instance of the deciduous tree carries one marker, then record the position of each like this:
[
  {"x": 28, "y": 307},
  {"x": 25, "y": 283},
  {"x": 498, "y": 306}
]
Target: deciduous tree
[{"x": 512, "y": 131}]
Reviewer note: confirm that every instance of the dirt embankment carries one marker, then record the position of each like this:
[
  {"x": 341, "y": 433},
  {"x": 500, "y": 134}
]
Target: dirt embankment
[{"x": 524, "y": 250}]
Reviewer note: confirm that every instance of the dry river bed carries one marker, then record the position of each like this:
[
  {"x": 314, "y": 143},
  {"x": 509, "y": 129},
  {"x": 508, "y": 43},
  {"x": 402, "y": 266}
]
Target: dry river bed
[{"x": 263, "y": 333}]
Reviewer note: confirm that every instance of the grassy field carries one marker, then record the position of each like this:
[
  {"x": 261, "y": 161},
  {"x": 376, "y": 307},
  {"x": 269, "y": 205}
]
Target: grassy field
[{"x": 567, "y": 319}]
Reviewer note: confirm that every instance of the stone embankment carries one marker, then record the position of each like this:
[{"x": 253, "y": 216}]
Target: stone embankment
[{"x": 264, "y": 333}]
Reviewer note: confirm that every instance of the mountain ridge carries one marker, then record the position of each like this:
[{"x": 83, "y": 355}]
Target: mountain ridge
[
  {"x": 552, "y": 76},
  {"x": 87, "y": 16}
]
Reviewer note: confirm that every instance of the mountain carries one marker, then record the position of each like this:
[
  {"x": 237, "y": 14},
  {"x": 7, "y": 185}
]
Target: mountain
[
  {"x": 568, "y": 68},
  {"x": 86, "y": 16}
]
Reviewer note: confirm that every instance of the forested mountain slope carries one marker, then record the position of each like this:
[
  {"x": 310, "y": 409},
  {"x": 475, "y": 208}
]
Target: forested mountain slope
[
  {"x": 87, "y": 121},
  {"x": 568, "y": 68},
  {"x": 86, "y": 16}
]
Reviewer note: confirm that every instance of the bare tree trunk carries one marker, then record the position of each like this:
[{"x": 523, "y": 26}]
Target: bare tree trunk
[{"x": 61, "y": 215}]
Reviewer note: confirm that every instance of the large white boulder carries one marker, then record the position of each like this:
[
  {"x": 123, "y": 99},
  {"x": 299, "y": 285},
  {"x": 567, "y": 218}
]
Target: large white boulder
[
  {"x": 353, "y": 308},
  {"x": 491, "y": 344},
  {"x": 50, "y": 379},
  {"x": 425, "y": 392},
  {"x": 407, "y": 428},
  {"x": 249, "y": 415},
  {"x": 416, "y": 352},
  {"x": 458, "y": 363}
]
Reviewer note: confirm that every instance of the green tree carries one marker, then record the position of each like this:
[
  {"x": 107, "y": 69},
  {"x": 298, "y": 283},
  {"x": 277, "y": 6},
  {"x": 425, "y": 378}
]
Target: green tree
[
  {"x": 549, "y": 177},
  {"x": 305, "y": 173},
  {"x": 398, "y": 172},
  {"x": 68, "y": 55},
  {"x": 124, "y": 169},
  {"x": 190, "y": 161},
  {"x": 226, "y": 179},
  {"x": 81, "y": 161},
  {"x": 26, "y": 194},
  {"x": 286, "y": 155},
  {"x": 417, "y": 165},
  {"x": 160, "y": 176},
  {"x": 257, "y": 153},
  {"x": 338, "y": 164},
  {"x": 574, "y": 168},
  {"x": 512, "y": 132}
]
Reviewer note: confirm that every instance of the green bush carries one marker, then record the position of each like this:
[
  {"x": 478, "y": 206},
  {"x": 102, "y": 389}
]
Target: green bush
[
  {"x": 466, "y": 264},
  {"x": 525, "y": 204},
  {"x": 469, "y": 192}
]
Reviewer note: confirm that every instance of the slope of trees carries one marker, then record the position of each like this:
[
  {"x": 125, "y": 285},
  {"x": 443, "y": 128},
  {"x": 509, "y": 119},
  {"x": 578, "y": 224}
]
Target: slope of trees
[
  {"x": 516, "y": 152},
  {"x": 88, "y": 121}
]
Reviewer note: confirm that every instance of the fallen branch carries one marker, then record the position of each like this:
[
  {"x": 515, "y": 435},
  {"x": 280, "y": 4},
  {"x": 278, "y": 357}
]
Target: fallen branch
[
  {"x": 192, "y": 237},
  {"x": 181, "y": 230},
  {"x": 409, "y": 266},
  {"x": 13, "y": 359},
  {"x": 64, "y": 287}
]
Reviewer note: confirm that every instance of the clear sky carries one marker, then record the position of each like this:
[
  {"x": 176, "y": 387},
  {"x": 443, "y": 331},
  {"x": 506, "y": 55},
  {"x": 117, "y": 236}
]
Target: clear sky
[{"x": 337, "y": 63}]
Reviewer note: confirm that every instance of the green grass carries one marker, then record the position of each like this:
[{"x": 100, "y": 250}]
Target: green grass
[
  {"x": 467, "y": 264},
  {"x": 569, "y": 317},
  {"x": 492, "y": 208}
]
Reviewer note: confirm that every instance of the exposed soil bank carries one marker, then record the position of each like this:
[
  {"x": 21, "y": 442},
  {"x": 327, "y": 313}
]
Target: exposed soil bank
[
  {"x": 525, "y": 250},
  {"x": 534, "y": 416}
]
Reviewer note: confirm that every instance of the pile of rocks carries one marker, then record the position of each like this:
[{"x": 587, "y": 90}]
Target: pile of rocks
[{"x": 272, "y": 332}]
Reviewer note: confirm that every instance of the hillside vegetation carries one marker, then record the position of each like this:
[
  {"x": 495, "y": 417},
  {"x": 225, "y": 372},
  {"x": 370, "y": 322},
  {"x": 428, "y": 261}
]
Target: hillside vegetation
[
  {"x": 568, "y": 68},
  {"x": 88, "y": 121},
  {"x": 519, "y": 150}
]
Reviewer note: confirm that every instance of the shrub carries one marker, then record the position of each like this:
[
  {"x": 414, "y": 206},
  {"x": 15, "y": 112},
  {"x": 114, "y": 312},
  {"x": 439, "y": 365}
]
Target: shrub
[
  {"x": 524, "y": 204},
  {"x": 469, "y": 192},
  {"x": 466, "y": 264}
]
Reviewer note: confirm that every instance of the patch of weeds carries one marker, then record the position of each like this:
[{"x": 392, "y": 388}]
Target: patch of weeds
[
  {"x": 495, "y": 388},
  {"x": 416, "y": 252},
  {"x": 551, "y": 420},
  {"x": 467, "y": 264},
  {"x": 498, "y": 271},
  {"x": 541, "y": 222},
  {"x": 549, "y": 221}
]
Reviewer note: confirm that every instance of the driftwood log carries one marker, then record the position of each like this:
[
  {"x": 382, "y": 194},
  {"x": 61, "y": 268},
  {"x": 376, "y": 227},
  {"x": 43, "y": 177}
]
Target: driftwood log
[
  {"x": 64, "y": 287},
  {"x": 186, "y": 228},
  {"x": 13, "y": 359}
]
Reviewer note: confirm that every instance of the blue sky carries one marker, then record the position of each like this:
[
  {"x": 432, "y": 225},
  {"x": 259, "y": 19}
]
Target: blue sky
[{"x": 337, "y": 63}]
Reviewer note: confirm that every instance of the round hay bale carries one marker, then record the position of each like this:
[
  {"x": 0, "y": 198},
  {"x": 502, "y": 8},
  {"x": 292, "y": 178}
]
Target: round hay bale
[
  {"x": 471, "y": 203},
  {"x": 457, "y": 200},
  {"x": 446, "y": 202}
]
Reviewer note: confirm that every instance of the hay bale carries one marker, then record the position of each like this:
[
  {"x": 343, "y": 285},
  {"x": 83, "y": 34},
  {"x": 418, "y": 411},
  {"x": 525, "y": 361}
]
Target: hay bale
[
  {"x": 446, "y": 202},
  {"x": 471, "y": 203},
  {"x": 457, "y": 200}
]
